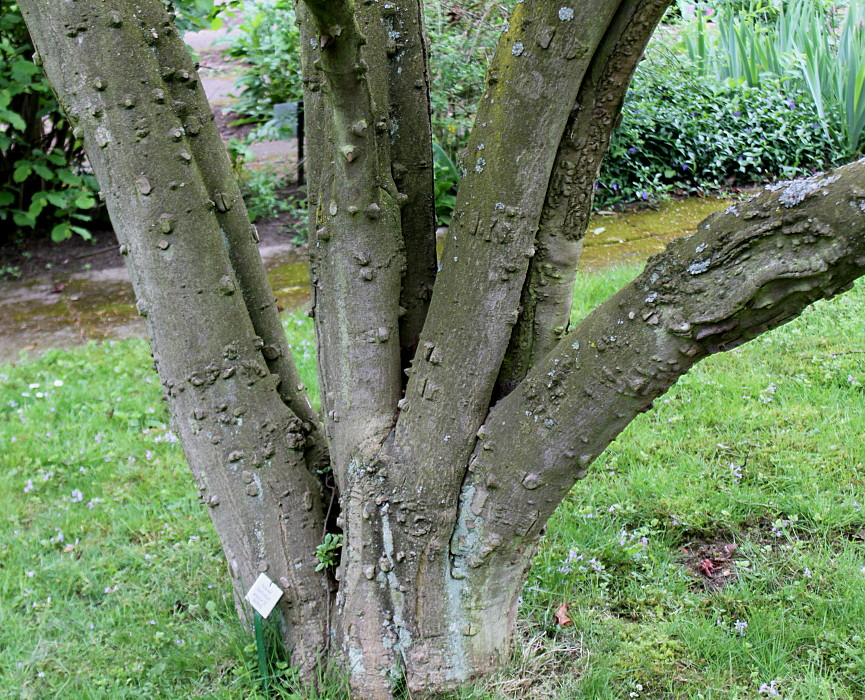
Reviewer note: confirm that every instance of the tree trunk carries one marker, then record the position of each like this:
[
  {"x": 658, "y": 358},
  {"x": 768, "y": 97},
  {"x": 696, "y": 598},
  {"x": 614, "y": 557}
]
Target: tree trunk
[{"x": 447, "y": 479}]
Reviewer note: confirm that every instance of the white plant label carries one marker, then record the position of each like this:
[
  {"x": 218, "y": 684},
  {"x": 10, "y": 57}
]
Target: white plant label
[{"x": 264, "y": 595}]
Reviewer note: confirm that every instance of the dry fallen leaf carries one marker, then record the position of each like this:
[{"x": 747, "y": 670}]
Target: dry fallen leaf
[
  {"x": 562, "y": 618},
  {"x": 707, "y": 568}
]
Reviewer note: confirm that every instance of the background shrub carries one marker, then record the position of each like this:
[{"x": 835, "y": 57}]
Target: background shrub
[
  {"x": 43, "y": 186},
  {"x": 684, "y": 135},
  {"x": 268, "y": 43}
]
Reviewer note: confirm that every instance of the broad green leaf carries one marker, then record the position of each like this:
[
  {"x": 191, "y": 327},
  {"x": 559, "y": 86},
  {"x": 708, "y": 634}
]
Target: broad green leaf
[
  {"x": 61, "y": 232},
  {"x": 58, "y": 200},
  {"x": 22, "y": 172},
  {"x": 69, "y": 178},
  {"x": 36, "y": 206},
  {"x": 56, "y": 158},
  {"x": 24, "y": 219},
  {"x": 13, "y": 119},
  {"x": 83, "y": 232},
  {"x": 43, "y": 172}
]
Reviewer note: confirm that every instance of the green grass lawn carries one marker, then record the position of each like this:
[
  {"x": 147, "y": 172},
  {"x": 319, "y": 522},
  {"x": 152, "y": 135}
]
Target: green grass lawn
[{"x": 715, "y": 551}]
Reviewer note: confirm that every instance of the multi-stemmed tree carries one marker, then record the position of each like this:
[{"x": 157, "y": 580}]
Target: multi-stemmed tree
[{"x": 458, "y": 408}]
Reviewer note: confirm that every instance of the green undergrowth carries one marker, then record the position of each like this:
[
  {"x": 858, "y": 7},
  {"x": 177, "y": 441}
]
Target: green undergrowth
[{"x": 112, "y": 584}]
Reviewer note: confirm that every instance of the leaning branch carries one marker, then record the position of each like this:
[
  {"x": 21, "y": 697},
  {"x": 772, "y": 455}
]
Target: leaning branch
[
  {"x": 548, "y": 291},
  {"x": 746, "y": 271},
  {"x": 243, "y": 444}
]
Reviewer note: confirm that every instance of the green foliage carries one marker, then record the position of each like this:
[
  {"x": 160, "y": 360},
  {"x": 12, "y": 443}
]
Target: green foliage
[
  {"x": 43, "y": 184},
  {"x": 192, "y": 15},
  {"x": 799, "y": 42},
  {"x": 681, "y": 134},
  {"x": 327, "y": 552},
  {"x": 268, "y": 42},
  {"x": 447, "y": 178}
]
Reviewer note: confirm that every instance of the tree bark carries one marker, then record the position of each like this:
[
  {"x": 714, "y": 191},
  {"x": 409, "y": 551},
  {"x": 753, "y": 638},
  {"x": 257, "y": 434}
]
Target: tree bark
[
  {"x": 545, "y": 305},
  {"x": 170, "y": 202},
  {"x": 444, "y": 486}
]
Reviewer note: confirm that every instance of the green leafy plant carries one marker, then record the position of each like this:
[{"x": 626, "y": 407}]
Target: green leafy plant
[
  {"x": 44, "y": 185},
  {"x": 268, "y": 44},
  {"x": 683, "y": 135},
  {"x": 800, "y": 43},
  {"x": 328, "y": 551},
  {"x": 260, "y": 186}
]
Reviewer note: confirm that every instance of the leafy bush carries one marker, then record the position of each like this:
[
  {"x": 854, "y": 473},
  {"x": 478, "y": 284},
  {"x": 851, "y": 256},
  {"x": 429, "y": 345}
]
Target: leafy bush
[
  {"x": 259, "y": 187},
  {"x": 268, "y": 42},
  {"x": 802, "y": 43},
  {"x": 681, "y": 134},
  {"x": 43, "y": 186}
]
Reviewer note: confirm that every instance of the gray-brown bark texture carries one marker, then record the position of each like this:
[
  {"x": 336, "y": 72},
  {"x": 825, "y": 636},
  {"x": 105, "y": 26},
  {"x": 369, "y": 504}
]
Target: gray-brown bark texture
[{"x": 447, "y": 479}]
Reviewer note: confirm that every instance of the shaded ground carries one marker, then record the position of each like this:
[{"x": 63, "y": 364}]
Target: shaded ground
[{"x": 79, "y": 291}]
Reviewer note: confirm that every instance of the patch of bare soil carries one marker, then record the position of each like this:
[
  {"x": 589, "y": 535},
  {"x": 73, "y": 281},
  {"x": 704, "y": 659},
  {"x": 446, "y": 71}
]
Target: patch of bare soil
[
  {"x": 42, "y": 258},
  {"x": 712, "y": 564},
  {"x": 225, "y": 122}
]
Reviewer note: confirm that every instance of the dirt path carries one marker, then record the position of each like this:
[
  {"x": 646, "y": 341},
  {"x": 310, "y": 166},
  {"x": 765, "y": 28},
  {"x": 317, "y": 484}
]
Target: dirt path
[{"x": 68, "y": 305}]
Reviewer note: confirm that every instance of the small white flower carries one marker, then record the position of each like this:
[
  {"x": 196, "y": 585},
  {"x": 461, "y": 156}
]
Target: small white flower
[
  {"x": 566, "y": 14},
  {"x": 769, "y": 689}
]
